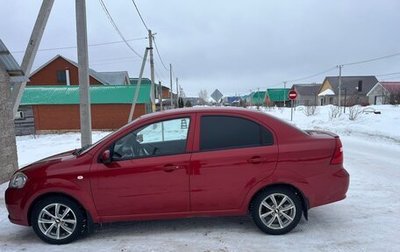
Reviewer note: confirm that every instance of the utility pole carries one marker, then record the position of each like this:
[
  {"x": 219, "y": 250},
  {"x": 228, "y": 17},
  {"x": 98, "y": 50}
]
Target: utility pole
[
  {"x": 31, "y": 50},
  {"x": 152, "y": 89},
  {"x": 345, "y": 100},
  {"x": 284, "y": 98},
  {"x": 177, "y": 91},
  {"x": 135, "y": 97},
  {"x": 160, "y": 95},
  {"x": 170, "y": 82},
  {"x": 8, "y": 153},
  {"x": 340, "y": 84},
  {"x": 83, "y": 72}
]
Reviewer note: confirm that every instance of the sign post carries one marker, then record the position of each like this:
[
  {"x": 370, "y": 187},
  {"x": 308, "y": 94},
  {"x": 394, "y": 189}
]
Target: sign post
[{"x": 292, "y": 97}]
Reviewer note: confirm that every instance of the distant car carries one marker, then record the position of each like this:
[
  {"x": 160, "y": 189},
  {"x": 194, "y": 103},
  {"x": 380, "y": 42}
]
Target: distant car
[
  {"x": 370, "y": 110},
  {"x": 182, "y": 163}
]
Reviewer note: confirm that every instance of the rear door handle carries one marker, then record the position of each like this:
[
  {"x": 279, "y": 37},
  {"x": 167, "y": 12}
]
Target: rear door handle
[
  {"x": 256, "y": 160},
  {"x": 171, "y": 168}
]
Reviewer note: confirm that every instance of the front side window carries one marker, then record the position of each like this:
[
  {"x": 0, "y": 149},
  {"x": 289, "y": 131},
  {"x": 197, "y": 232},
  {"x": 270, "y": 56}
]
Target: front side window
[
  {"x": 156, "y": 139},
  {"x": 227, "y": 132}
]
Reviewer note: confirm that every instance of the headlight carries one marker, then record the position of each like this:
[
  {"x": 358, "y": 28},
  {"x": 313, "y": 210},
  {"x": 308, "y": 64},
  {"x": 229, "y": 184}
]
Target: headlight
[{"x": 18, "y": 180}]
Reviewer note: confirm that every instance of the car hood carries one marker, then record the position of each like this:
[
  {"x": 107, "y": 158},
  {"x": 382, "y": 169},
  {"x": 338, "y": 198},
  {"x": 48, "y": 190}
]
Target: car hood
[{"x": 57, "y": 158}]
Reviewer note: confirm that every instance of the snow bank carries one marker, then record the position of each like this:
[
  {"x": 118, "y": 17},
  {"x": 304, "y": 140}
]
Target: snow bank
[{"x": 367, "y": 124}]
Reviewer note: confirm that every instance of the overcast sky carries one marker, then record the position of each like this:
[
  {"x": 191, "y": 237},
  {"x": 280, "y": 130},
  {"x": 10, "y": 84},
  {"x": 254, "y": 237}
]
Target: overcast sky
[{"x": 235, "y": 46}]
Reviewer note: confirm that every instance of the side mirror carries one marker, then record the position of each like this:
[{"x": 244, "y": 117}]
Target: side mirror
[{"x": 106, "y": 157}]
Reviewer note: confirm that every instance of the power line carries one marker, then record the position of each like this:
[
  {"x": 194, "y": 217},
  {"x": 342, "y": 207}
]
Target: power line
[
  {"x": 147, "y": 28},
  {"x": 311, "y": 76},
  {"x": 390, "y": 78},
  {"x": 387, "y": 74},
  {"x": 347, "y": 64},
  {"x": 154, "y": 40},
  {"x": 90, "y": 45},
  {"x": 112, "y": 61},
  {"x": 116, "y": 28},
  {"x": 372, "y": 59},
  {"x": 140, "y": 15},
  {"x": 159, "y": 56}
]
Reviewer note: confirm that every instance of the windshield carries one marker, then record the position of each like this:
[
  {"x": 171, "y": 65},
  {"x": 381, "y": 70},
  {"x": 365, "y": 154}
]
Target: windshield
[{"x": 87, "y": 148}]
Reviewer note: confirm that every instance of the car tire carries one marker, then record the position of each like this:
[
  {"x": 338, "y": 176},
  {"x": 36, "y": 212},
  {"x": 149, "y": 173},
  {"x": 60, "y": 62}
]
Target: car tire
[
  {"x": 276, "y": 210},
  {"x": 58, "y": 220}
]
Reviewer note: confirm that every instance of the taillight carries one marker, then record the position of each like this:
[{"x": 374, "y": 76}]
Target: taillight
[{"x": 337, "y": 157}]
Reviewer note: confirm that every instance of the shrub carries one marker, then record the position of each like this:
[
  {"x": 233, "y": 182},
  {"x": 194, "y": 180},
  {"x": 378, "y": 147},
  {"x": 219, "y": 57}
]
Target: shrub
[
  {"x": 354, "y": 112},
  {"x": 334, "y": 112},
  {"x": 310, "y": 110}
]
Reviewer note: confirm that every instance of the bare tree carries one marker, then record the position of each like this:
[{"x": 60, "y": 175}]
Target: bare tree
[
  {"x": 394, "y": 98},
  {"x": 203, "y": 95}
]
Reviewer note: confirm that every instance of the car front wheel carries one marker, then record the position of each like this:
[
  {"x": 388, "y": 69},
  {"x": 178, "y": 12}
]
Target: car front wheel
[
  {"x": 57, "y": 220},
  {"x": 276, "y": 210}
]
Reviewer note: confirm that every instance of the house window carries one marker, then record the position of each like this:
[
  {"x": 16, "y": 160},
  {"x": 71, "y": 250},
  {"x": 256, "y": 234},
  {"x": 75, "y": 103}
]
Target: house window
[
  {"x": 61, "y": 77},
  {"x": 359, "y": 88}
]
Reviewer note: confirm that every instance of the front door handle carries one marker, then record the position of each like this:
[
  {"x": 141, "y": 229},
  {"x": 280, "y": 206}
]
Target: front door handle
[{"x": 171, "y": 168}]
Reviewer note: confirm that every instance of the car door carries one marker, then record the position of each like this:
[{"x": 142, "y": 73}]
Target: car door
[
  {"x": 148, "y": 173},
  {"x": 231, "y": 154}
]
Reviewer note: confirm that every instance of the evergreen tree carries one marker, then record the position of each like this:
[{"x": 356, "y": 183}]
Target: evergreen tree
[
  {"x": 180, "y": 103},
  {"x": 188, "y": 104}
]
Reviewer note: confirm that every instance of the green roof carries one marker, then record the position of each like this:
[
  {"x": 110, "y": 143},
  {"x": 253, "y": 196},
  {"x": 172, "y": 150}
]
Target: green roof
[
  {"x": 278, "y": 94},
  {"x": 145, "y": 81},
  {"x": 61, "y": 95},
  {"x": 258, "y": 97}
]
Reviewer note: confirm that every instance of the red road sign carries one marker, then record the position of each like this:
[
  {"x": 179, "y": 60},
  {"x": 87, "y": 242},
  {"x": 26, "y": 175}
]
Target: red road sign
[{"x": 292, "y": 95}]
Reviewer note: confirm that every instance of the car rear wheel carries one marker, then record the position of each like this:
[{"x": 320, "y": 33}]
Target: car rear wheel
[
  {"x": 276, "y": 210},
  {"x": 58, "y": 220}
]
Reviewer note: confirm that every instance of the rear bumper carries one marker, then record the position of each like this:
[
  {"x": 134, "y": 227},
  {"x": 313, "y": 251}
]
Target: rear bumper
[{"x": 328, "y": 188}]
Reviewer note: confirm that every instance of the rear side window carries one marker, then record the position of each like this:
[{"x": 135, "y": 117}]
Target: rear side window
[{"x": 227, "y": 132}]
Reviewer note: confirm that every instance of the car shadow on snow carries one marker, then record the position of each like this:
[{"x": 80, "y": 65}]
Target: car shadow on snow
[
  {"x": 199, "y": 227},
  {"x": 195, "y": 226},
  {"x": 198, "y": 224}
]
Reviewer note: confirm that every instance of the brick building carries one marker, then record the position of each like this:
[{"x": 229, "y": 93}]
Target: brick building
[{"x": 51, "y": 99}]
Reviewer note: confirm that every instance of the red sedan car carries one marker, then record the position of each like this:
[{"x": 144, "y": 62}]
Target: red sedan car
[{"x": 182, "y": 163}]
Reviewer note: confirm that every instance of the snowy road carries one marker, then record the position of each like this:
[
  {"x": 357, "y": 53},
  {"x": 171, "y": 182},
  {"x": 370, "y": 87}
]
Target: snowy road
[{"x": 368, "y": 220}]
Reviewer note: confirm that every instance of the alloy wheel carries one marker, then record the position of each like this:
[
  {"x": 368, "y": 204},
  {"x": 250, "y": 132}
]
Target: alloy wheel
[
  {"x": 277, "y": 211},
  {"x": 57, "y": 221}
]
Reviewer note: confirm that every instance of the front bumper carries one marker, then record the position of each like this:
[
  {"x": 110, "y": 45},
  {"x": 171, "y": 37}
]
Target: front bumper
[{"x": 17, "y": 213}]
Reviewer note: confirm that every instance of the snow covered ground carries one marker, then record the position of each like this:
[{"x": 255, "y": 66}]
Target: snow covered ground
[{"x": 368, "y": 220}]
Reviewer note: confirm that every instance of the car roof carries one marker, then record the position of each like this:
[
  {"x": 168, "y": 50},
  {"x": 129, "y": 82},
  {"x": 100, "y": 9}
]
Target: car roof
[{"x": 200, "y": 110}]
